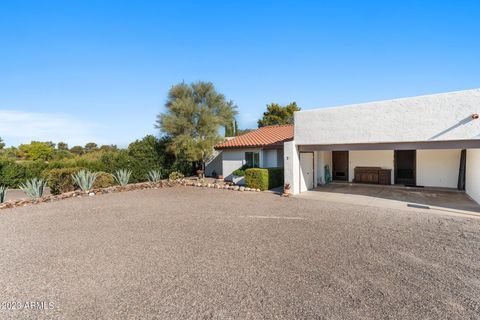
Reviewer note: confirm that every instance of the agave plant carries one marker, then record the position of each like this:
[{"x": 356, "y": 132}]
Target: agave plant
[
  {"x": 85, "y": 179},
  {"x": 122, "y": 176},
  {"x": 3, "y": 193},
  {"x": 33, "y": 188},
  {"x": 154, "y": 175}
]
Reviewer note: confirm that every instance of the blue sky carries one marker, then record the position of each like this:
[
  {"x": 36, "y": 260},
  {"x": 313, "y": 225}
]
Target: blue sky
[{"x": 100, "y": 70}]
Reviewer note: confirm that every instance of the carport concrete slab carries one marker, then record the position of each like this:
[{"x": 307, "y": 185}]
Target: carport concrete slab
[{"x": 416, "y": 199}]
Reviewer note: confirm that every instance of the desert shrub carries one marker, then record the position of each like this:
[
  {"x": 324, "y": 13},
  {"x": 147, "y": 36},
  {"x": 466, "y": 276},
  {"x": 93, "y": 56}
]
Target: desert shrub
[
  {"x": 60, "y": 164},
  {"x": 92, "y": 165},
  {"x": 122, "y": 176},
  {"x": 140, "y": 170},
  {"x": 61, "y": 180},
  {"x": 62, "y": 154},
  {"x": 112, "y": 161},
  {"x": 104, "y": 180},
  {"x": 12, "y": 174},
  {"x": 115, "y": 160},
  {"x": 34, "y": 169},
  {"x": 144, "y": 155},
  {"x": 84, "y": 179},
  {"x": 256, "y": 178},
  {"x": 33, "y": 188},
  {"x": 275, "y": 177},
  {"x": 183, "y": 166},
  {"x": 176, "y": 175}
]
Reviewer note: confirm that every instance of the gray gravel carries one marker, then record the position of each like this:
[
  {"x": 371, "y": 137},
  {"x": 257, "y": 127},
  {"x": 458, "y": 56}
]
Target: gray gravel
[{"x": 214, "y": 254}]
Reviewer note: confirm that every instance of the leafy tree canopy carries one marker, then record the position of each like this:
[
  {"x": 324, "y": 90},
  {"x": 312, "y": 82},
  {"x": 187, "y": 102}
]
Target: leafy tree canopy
[
  {"x": 77, "y": 150},
  {"x": 37, "y": 150},
  {"x": 195, "y": 113},
  {"x": 109, "y": 147},
  {"x": 277, "y": 114},
  {"x": 145, "y": 150},
  {"x": 91, "y": 146},
  {"x": 61, "y": 154},
  {"x": 62, "y": 146},
  {"x": 2, "y": 144}
]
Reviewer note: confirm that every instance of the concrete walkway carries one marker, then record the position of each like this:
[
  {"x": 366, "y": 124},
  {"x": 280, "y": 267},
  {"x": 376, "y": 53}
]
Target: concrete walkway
[{"x": 413, "y": 199}]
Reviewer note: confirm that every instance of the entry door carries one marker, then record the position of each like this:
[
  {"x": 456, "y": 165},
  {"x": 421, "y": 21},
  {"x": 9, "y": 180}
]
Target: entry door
[
  {"x": 340, "y": 165},
  {"x": 405, "y": 162},
  {"x": 306, "y": 171}
]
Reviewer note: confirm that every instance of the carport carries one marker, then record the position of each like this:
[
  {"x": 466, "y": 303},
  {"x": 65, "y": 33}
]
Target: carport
[
  {"x": 418, "y": 199},
  {"x": 428, "y": 141}
]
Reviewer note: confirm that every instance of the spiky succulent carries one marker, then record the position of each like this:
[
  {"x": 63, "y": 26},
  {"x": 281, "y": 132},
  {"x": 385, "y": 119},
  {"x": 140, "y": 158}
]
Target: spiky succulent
[
  {"x": 122, "y": 176},
  {"x": 33, "y": 188},
  {"x": 3, "y": 193},
  {"x": 154, "y": 175},
  {"x": 85, "y": 179}
]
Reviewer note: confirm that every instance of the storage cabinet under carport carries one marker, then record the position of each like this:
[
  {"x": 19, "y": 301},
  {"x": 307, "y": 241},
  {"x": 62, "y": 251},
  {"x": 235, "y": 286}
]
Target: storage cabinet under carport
[{"x": 372, "y": 175}]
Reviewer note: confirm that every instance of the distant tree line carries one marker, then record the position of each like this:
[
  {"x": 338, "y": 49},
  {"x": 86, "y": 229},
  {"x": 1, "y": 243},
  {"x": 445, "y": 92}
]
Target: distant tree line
[{"x": 190, "y": 127}]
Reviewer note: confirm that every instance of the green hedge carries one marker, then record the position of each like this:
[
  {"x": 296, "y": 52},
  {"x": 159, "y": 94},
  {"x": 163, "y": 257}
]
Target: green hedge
[
  {"x": 256, "y": 178},
  {"x": 264, "y": 178},
  {"x": 275, "y": 177},
  {"x": 12, "y": 174}
]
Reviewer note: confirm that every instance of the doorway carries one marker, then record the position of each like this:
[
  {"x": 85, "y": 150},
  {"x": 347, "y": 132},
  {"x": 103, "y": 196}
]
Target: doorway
[
  {"x": 306, "y": 171},
  {"x": 340, "y": 165},
  {"x": 405, "y": 167}
]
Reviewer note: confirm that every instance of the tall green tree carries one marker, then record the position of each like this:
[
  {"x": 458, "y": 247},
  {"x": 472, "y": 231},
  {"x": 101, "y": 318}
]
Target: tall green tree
[
  {"x": 2, "y": 144},
  {"x": 91, "y": 146},
  {"x": 277, "y": 114},
  {"x": 243, "y": 131},
  {"x": 195, "y": 113}
]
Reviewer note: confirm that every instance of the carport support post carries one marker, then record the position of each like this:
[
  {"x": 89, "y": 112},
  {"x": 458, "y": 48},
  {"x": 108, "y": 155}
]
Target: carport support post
[{"x": 291, "y": 163}]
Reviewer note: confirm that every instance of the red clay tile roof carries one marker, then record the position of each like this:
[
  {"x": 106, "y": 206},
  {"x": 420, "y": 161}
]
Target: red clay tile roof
[{"x": 262, "y": 137}]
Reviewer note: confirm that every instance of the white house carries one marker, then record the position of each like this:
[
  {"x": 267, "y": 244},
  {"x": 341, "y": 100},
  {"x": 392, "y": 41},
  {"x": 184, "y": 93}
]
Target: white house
[
  {"x": 412, "y": 141},
  {"x": 261, "y": 148}
]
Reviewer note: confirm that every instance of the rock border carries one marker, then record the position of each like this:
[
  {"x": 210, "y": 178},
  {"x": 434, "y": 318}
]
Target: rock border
[
  {"x": 219, "y": 186},
  {"x": 130, "y": 187},
  {"x": 93, "y": 192}
]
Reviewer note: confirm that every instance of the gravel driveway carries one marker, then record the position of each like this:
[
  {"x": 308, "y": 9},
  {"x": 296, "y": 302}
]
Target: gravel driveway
[{"x": 199, "y": 253}]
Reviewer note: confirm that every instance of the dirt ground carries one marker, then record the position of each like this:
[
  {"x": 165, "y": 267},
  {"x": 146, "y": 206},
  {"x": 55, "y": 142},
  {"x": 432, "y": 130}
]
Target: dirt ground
[{"x": 195, "y": 253}]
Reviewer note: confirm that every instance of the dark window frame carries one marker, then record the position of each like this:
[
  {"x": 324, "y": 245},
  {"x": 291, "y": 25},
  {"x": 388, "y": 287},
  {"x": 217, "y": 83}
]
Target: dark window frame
[{"x": 252, "y": 159}]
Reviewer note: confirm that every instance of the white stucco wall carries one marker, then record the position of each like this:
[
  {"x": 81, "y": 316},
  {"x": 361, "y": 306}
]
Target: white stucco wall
[
  {"x": 427, "y": 118},
  {"x": 269, "y": 158},
  {"x": 215, "y": 165},
  {"x": 472, "y": 186},
  {"x": 371, "y": 158},
  {"x": 438, "y": 168},
  {"x": 234, "y": 159},
  {"x": 291, "y": 166}
]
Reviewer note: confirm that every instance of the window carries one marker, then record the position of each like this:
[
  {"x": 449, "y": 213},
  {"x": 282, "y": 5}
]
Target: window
[{"x": 252, "y": 159}]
